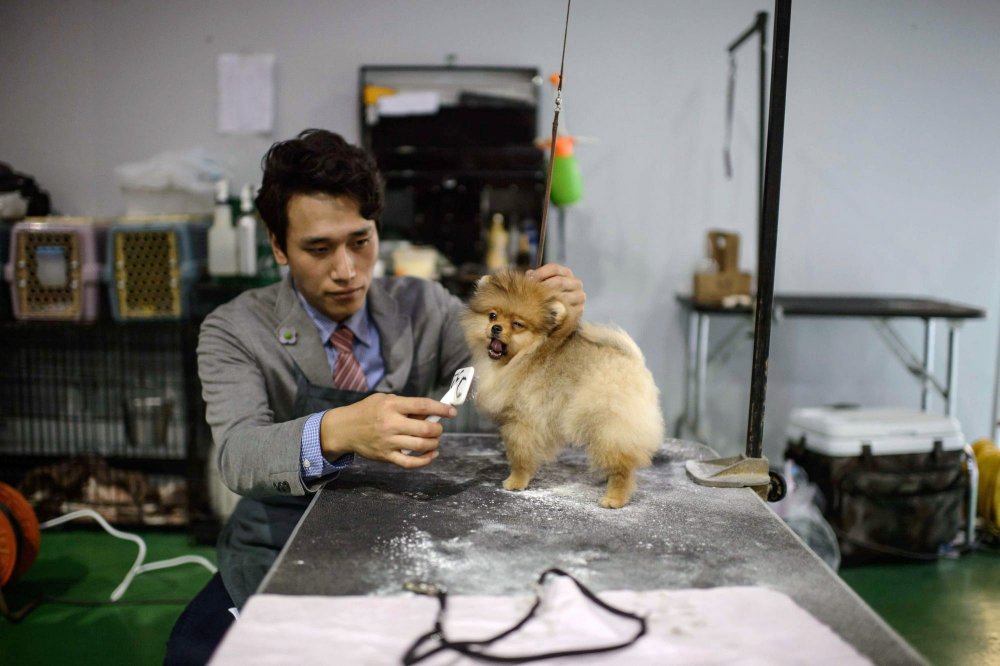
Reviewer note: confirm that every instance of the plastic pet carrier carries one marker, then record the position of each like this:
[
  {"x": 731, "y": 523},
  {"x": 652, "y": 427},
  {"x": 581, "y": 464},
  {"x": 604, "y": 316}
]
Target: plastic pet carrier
[
  {"x": 152, "y": 265},
  {"x": 55, "y": 268}
]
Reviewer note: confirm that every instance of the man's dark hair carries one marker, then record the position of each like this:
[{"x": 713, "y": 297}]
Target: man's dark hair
[{"x": 317, "y": 162}]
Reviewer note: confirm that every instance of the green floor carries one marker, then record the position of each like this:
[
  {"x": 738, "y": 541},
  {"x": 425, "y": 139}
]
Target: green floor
[
  {"x": 88, "y": 565},
  {"x": 948, "y": 610}
]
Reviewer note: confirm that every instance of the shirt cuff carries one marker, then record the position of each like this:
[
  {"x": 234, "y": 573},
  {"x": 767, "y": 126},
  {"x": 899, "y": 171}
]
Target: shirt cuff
[{"x": 312, "y": 464}]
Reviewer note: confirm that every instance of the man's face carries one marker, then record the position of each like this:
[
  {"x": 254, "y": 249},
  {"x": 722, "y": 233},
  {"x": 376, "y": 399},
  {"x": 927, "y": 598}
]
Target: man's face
[{"x": 330, "y": 251}]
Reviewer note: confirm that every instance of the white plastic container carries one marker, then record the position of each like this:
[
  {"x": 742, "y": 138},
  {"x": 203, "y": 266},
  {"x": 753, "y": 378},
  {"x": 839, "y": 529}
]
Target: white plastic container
[
  {"x": 840, "y": 432},
  {"x": 246, "y": 234},
  {"x": 222, "y": 236}
]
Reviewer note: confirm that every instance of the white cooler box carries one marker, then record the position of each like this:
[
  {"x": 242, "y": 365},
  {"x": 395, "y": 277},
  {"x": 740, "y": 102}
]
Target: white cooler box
[{"x": 893, "y": 479}]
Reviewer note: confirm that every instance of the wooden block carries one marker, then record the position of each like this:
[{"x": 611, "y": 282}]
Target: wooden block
[{"x": 711, "y": 288}]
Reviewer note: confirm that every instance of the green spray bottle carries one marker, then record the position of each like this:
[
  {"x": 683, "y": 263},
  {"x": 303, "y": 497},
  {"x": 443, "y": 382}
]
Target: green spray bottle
[{"x": 567, "y": 183}]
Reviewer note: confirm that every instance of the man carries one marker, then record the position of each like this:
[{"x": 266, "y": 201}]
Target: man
[{"x": 301, "y": 376}]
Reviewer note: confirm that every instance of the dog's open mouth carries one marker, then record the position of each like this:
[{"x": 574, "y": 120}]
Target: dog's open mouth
[{"x": 496, "y": 349}]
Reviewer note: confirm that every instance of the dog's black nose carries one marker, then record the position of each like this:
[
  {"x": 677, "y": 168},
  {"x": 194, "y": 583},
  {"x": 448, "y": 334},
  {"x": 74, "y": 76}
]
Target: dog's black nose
[{"x": 497, "y": 329}]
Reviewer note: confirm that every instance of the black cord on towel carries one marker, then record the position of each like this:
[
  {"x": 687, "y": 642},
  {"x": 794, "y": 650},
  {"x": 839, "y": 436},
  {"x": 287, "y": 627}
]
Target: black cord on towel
[{"x": 473, "y": 649}]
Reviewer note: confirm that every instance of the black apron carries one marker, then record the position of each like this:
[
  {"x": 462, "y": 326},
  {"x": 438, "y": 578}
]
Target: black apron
[{"x": 258, "y": 528}]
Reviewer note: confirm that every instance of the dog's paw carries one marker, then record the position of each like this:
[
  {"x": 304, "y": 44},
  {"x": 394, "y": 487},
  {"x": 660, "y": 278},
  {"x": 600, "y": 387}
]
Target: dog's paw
[
  {"x": 609, "y": 502},
  {"x": 515, "y": 482}
]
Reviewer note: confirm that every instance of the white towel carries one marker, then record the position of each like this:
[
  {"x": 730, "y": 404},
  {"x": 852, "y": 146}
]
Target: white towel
[{"x": 725, "y": 625}]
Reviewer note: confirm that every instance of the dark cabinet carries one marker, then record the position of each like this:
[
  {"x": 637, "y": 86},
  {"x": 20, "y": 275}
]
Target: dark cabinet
[{"x": 456, "y": 146}]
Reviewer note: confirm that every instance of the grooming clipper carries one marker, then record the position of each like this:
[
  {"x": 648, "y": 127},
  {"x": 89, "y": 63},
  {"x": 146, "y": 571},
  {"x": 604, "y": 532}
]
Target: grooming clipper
[{"x": 460, "y": 389}]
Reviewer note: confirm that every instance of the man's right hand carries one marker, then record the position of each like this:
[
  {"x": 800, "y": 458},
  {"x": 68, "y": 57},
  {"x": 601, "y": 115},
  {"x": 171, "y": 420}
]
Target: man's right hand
[{"x": 382, "y": 426}]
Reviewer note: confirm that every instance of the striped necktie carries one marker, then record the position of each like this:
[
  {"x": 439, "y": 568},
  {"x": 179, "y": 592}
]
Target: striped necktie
[{"x": 347, "y": 373}]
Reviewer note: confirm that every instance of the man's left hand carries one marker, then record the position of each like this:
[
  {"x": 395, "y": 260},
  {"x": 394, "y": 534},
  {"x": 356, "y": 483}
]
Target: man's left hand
[{"x": 561, "y": 280}]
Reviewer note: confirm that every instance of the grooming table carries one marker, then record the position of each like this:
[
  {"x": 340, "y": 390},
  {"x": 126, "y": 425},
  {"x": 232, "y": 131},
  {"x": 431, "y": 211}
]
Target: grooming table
[
  {"x": 451, "y": 523},
  {"x": 881, "y": 311}
]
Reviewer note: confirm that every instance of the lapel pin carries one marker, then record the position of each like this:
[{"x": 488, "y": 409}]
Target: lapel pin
[{"x": 287, "y": 335}]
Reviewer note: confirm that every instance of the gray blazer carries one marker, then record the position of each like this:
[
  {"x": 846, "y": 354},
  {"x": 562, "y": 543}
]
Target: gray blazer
[{"x": 254, "y": 352}]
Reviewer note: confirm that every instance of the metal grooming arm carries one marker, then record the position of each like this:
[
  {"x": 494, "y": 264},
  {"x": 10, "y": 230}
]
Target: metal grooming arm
[{"x": 752, "y": 469}]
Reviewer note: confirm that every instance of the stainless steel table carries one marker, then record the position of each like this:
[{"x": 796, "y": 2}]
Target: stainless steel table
[
  {"x": 451, "y": 523},
  {"x": 880, "y": 310}
]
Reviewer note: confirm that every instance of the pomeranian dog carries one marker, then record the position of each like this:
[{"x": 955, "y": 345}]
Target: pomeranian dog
[{"x": 550, "y": 380}]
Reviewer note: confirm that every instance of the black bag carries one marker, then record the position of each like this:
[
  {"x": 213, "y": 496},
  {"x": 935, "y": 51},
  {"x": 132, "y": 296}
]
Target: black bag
[
  {"x": 37, "y": 198},
  {"x": 889, "y": 506}
]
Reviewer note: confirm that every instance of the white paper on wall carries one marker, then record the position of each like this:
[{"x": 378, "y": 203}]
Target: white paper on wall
[{"x": 246, "y": 93}]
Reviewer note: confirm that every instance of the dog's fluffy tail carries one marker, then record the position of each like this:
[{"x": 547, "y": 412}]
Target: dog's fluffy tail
[{"x": 611, "y": 336}]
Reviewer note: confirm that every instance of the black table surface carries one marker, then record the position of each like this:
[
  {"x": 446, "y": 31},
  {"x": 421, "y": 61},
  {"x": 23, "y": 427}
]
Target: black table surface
[
  {"x": 850, "y": 305},
  {"x": 451, "y": 523}
]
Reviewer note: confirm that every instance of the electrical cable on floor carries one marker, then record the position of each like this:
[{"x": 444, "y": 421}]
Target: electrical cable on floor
[{"x": 139, "y": 566}]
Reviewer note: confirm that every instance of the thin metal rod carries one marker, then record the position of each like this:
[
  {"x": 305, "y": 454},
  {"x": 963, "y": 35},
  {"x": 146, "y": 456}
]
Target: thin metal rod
[
  {"x": 951, "y": 398},
  {"x": 738, "y": 42},
  {"x": 769, "y": 232},
  {"x": 701, "y": 399},
  {"x": 561, "y": 236},
  {"x": 925, "y": 391},
  {"x": 759, "y": 27},
  {"x": 685, "y": 423},
  {"x": 552, "y": 146},
  {"x": 722, "y": 347},
  {"x": 761, "y": 110},
  {"x": 899, "y": 347},
  {"x": 973, "y": 473}
]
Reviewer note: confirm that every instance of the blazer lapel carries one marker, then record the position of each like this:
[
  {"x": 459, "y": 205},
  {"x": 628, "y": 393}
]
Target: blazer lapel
[
  {"x": 300, "y": 337},
  {"x": 396, "y": 334}
]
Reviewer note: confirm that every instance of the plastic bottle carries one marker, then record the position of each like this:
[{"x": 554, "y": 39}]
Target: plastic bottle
[
  {"x": 567, "y": 183},
  {"x": 496, "y": 254},
  {"x": 222, "y": 235},
  {"x": 523, "y": 256},
  {"x": 246, "y": 234}
]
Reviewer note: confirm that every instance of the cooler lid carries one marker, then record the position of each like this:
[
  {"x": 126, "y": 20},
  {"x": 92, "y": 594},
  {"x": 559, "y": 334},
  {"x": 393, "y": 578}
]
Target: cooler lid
[
  {"x": 871, "y": 422},
  {"x": 839, "y": 431}
]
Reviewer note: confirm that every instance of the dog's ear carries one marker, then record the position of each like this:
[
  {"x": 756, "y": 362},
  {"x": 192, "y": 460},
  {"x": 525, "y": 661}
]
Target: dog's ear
[
  {"x": 556, "y": 313},
  {"x": 482, "y": 282}
]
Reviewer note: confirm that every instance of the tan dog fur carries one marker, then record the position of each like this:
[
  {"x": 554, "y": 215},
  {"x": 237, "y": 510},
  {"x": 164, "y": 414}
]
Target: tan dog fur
[{"x": 560, "y": 381}]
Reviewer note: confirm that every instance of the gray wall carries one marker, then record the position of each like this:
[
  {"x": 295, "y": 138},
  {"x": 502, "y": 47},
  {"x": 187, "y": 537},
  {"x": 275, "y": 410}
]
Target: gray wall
[{"x": 891, "y": 178}]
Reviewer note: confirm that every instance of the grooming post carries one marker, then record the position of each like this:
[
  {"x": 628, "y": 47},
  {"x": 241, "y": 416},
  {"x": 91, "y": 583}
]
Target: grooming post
[
  {"x": 552, "y": 146},
  {"x": 752, "y": 469}
]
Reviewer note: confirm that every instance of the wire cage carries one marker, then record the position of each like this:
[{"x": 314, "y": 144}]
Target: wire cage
[{"x": 106, "y": 416}]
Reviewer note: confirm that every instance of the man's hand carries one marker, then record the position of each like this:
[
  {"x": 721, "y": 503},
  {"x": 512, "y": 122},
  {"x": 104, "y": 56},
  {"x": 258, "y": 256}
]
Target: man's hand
[
  {"x": 382, "y": 426},
  {"x": 562, "y": 281}
]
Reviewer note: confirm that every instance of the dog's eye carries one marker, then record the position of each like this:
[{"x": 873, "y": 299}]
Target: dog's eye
[
  {"x": 493, "y": 316},
  {"x": 517, "y": 325}
]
